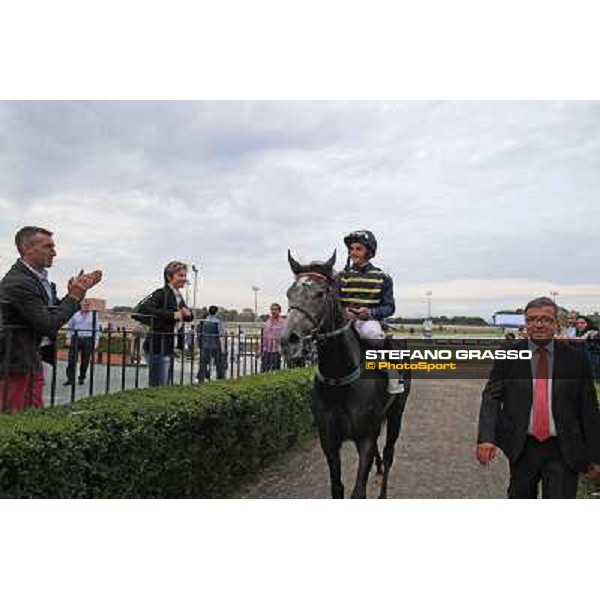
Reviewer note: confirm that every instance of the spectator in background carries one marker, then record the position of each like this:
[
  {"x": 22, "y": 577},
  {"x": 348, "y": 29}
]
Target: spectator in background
[
  {"x": 585, "y": 328},
  {"x": 212, "y": 334},
  {"x": 271, "y": 340},
  {"x": 32, "y": 314},
  {"x": 164, "y": 310},
  {"x": 588, "y": 342},
  {"x": 81, "y": 325},
  {"x": 570, "y": 331}
]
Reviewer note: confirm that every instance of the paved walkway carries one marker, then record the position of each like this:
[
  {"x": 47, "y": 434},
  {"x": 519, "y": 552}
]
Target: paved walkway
[{"x": 434, "y": 455}]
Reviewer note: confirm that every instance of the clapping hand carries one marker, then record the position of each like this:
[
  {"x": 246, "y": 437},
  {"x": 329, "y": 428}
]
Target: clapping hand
[{"x": 79, "y": 285}]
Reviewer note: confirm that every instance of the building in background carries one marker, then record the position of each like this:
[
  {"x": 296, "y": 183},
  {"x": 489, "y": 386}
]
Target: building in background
[{"x": 98, "y": 304}]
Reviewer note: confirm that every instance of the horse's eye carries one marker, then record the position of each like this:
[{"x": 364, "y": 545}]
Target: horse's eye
[{"x": 320, "y": 294}]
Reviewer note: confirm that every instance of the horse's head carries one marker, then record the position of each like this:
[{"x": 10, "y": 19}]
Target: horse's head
[{"x": 312, "y": 303}]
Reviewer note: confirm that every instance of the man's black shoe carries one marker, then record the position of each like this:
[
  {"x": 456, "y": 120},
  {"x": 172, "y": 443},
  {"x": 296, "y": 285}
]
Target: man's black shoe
[{"x": 66, "y": 383}]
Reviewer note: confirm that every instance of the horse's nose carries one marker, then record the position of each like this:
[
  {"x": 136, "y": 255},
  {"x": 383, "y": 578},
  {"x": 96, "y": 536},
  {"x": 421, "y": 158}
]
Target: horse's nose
[{"x": 291, "y": 345}]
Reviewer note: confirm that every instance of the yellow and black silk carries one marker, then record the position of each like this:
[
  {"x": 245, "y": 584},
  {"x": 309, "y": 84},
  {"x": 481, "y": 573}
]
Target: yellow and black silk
[{"x": 361, "y": 287}]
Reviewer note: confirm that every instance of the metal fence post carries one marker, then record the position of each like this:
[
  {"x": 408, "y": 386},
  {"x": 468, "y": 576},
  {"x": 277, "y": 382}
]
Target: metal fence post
[
  {"x": 192, "y": 348},
  {"x": 123, "y": 356},
  {"x": 108, "y": 359},
  {"x": 93, "y": 356},
  {"x": 75, "y": 350},
  {"x": 137, "y": 349},
  {"x": 181, "y": 338}
]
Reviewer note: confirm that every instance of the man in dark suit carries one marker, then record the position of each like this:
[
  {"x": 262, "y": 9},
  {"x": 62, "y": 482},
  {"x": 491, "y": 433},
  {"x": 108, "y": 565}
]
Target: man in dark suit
[
  {"x": 541, "y": 412},
  {"x": 31, "y": 315}
]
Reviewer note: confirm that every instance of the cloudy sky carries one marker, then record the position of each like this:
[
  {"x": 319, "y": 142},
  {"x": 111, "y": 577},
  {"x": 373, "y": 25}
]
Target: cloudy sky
[{"x": 486, "y": 204}]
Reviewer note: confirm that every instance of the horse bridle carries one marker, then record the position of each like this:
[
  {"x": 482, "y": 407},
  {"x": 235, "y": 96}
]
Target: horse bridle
[{"x": 316, "y": 334}]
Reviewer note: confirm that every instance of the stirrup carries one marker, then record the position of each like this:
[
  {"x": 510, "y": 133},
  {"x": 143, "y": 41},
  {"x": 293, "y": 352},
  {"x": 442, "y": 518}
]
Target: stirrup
[{"x": 395, "y": 386}]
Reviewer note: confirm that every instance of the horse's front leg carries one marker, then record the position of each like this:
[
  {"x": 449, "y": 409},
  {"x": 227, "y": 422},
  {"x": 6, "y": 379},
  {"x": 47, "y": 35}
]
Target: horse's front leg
[
  {"x": 331, "y": 445},
  {"x": 366, "y": 452},
  {"x": 331, "y": 449},
  {"x": 394, "y": 424}
]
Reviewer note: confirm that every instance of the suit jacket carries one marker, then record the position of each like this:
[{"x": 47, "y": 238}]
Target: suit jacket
[
  {"x": 161, "y": 306},
  {"x": 27, "y": 318},
  {"x": 508, "y": 397}
]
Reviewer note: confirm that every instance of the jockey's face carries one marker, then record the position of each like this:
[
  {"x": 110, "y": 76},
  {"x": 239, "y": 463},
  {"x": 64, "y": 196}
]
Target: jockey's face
[{"x": 358, "y": 253}]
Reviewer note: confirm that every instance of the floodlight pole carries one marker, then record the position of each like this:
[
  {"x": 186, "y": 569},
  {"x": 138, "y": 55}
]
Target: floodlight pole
[
  {"x": 195, "y": 271},
  {"x": 429, "y": 294},
  {"x": 255, "y": 289}
]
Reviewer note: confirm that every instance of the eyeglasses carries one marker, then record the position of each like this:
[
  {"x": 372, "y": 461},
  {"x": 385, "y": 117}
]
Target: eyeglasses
[{"x": 540, "y": 320}]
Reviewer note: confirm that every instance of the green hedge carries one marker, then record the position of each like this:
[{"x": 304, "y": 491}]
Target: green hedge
[
  {"x": 180, "y": 442},
  {"x": 589, "y": 489}
]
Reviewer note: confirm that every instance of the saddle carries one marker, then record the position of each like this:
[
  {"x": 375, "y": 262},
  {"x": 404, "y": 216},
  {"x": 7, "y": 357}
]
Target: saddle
[{"x": 389, "y": 343}]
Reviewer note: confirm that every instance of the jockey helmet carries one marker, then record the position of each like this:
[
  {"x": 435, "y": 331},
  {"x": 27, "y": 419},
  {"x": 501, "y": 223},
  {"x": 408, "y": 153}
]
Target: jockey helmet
[{"x": 364, "y": 237}]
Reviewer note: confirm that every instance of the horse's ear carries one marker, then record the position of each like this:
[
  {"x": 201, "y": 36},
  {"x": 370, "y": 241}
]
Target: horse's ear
[
  {"x": 329, "y": 264},
  {"x": 294, "y": 264}
]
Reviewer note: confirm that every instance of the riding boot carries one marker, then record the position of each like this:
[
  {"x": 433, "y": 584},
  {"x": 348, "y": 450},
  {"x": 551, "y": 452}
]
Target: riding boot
[{"x": 395, "y": 383}]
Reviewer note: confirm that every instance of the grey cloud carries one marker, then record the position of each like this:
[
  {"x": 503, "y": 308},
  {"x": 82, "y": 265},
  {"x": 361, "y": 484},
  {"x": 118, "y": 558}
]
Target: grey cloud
[{"x": 454, "y": 190}]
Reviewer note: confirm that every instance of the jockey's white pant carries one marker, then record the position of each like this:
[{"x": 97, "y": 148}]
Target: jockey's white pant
[
  {"x": 369, "y": 330},
  {"x": 372, "y": 331}
]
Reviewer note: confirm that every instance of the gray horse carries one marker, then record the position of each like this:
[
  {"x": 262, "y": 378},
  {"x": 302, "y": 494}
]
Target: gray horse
[{"x": 346, "y": 405}]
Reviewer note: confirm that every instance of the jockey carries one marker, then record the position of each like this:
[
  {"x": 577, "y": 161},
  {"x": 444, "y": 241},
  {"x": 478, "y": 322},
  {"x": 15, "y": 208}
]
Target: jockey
[{"x": 367, "y": 294}]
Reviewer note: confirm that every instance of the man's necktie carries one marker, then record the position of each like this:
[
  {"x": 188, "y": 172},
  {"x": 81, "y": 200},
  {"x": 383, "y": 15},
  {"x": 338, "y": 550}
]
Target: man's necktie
[{"x": 541, "y": 412}]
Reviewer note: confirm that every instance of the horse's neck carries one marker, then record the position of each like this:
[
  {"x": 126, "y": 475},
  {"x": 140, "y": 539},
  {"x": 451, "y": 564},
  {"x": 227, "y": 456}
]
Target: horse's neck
[{"x": 339, "y": 355}]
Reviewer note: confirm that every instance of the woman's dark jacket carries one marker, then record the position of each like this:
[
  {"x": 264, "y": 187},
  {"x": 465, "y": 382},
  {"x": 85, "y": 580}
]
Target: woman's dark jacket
[{"x": 160, "y": 306}]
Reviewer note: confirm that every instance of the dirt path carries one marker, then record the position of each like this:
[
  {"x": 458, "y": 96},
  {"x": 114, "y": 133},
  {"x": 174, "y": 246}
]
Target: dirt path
[{"x": 434, "y": 455}]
